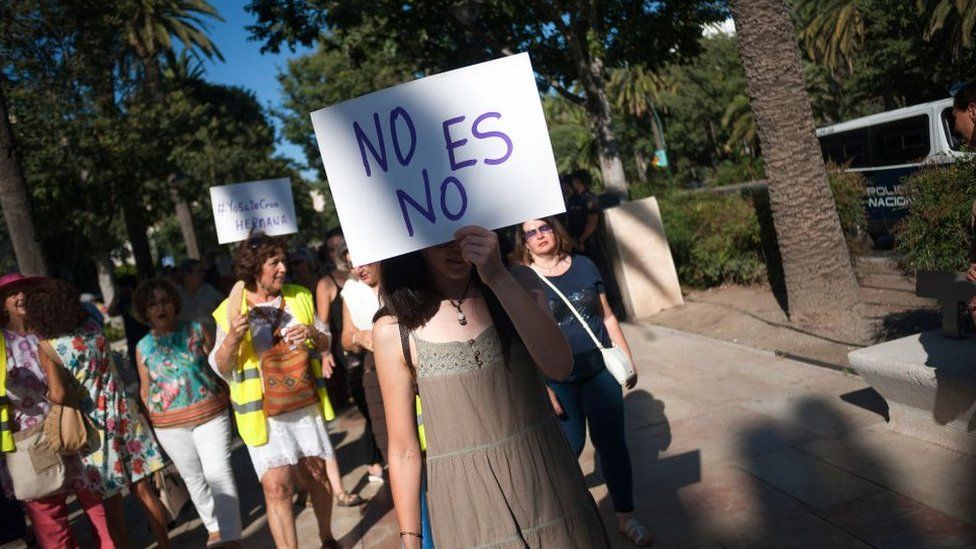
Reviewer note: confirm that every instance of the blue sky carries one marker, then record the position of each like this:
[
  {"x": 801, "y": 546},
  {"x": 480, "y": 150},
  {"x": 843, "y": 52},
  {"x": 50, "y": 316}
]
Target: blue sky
[{"x": 246, "y": 67}]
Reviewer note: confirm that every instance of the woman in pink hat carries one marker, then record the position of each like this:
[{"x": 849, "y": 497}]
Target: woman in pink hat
[{"x": 27, "y": 388}]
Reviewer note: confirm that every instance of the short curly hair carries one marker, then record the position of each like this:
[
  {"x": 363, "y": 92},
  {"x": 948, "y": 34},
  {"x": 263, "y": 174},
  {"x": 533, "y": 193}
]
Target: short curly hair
[
  {"x": 143, "y": 296},
  {"x": 54, "y": 308},
  {"x": 250, "y": 256}
]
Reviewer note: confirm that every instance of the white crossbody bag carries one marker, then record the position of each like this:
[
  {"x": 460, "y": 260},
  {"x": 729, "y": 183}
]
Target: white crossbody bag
[{"x": 615, "y": 359}]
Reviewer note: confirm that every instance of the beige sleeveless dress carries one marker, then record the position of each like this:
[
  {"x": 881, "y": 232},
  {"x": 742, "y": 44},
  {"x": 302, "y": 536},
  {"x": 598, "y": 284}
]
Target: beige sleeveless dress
[{"x": 500, "y": 472}]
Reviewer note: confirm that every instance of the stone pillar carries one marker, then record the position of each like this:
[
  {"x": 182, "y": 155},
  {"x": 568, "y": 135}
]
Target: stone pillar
[{"x": 641, "y": 259}]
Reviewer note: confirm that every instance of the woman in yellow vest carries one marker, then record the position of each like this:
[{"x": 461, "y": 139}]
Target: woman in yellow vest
[{"x": 267, "y": 334}]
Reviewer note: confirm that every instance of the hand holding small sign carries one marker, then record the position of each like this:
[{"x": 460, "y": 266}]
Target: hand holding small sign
[{"x": 479, "y": 246}]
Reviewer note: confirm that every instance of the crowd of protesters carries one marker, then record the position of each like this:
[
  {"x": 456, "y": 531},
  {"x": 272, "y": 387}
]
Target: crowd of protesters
[{"x": 440, "y": 350}]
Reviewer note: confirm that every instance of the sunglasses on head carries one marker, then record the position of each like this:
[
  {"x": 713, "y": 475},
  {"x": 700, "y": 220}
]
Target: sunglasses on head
[
  {"x": 542, "y": 229},
  {"x": 256, "y": 242}
]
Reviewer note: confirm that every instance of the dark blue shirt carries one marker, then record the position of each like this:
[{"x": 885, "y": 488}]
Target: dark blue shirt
[{"x": 582, "y": 286}]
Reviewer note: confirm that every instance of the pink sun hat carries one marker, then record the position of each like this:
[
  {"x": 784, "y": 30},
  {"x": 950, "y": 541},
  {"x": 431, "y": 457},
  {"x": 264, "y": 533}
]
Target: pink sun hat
[{"x": 16, "y": 281}]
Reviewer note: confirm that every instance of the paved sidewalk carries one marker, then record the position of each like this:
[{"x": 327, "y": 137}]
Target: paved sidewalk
[{"x": 732, "y": 447}]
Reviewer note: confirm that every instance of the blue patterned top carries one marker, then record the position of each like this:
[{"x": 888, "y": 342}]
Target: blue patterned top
[{"x": 179, "y": 376}]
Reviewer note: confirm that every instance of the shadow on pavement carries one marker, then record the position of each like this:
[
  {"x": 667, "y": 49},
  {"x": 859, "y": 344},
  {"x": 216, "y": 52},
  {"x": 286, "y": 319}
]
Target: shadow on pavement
[
  {"x": 656, "y": 479},
  {"x": 802, "y": 497},
  {"x": 868, "y": 399}
]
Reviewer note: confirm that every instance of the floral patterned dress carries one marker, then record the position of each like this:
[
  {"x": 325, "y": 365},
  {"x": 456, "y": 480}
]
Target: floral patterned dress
[
  {"x": 182, "y": 389},
  {"x": 128, "y": 451}
]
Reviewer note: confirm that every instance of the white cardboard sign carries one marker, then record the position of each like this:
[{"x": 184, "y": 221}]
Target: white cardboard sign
[
  {"x": 259, "y": 206},
  {"x": 411, "y": 164}
]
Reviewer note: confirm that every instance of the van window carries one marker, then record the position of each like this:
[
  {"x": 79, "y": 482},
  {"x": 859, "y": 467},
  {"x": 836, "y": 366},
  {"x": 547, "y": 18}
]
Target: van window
[
  {"x": 949, "y": 127},
  {"x": 902, "y": 141},
  {"x": 847, "y": 147}
]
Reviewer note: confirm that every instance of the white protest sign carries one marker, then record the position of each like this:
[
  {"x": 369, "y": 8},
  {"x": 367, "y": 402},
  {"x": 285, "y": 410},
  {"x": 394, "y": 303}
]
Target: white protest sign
[
  {"x": 259, "y": 206},
  {"x": 411, "y": 164}
]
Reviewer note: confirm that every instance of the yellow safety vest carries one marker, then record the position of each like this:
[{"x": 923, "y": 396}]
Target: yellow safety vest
[
  {"x": 421, "y": 433},
  {"x": 6, "y": 434},
  {"x": 246, "y": 390}
]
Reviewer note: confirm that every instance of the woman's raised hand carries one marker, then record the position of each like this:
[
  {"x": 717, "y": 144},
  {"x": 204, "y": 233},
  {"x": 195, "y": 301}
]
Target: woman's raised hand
[
  {"x": 479, "y": 246},
  {"x": 237, "y": 324}
]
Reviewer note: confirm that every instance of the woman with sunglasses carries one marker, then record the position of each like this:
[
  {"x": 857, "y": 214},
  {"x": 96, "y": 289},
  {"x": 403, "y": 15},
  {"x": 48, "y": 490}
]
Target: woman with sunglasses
[
  {"x": 590, "y": 395},
  {"x": 268, "y": 339},
  {"x": 474, "y": 336},
  {"x": 188, "y": 407}
]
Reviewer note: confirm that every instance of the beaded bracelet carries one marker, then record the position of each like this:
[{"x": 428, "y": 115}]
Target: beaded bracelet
[{"x": 414, "y": 534}]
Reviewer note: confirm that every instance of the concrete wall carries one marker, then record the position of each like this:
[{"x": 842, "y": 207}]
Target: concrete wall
[{"x": 641, "y": 259}]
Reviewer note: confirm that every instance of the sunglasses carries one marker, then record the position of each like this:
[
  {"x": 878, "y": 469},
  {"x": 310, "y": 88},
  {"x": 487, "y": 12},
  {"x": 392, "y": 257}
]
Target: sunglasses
[
  {"x": 543, "y": 229},
  {"x": 256, "y": 241}
]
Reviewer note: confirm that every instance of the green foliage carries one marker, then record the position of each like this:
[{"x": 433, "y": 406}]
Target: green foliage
[
  {"x": 703, "y": 93},
  {"x": 936, "y": 235},
  {"x": 895, "y": 60},
  {"x": 850, "y": 192},
  {"x": 438, "y": 35},
  {"x": 96, "y": 136},
  {"x": 326, "y": 77},
  {"x": 714, "y": 238},
  {"x": 738, "y": 170}
]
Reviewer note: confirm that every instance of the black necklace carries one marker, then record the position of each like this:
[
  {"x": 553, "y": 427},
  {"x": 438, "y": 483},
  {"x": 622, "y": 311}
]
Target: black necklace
[{"x": 462, "y": 320}]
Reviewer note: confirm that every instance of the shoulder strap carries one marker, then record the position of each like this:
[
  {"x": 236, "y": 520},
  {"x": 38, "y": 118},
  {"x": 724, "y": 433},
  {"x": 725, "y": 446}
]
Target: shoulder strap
[
  {"x": 336, "y": 282},
  {"x": 405, "y": 344},
  {"x": 576, "y": 313}
]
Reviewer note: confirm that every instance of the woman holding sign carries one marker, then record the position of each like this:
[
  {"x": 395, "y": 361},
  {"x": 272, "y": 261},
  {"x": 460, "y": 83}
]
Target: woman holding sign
[
  {"x": 590, "y": 396},
  {"x": 474, "y": 337},
  {"x": 266, "y": 335}
]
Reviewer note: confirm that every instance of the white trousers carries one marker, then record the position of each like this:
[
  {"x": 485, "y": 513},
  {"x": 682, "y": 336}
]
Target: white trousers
[{"x": 202, "y": 457}]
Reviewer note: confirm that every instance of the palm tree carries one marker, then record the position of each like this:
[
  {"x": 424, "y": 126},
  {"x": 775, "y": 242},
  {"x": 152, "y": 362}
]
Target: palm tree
[
  {"x": 740, "y": 124},
  {"x": 816, "y": 265},
  {"x": 15, "y": 203},
  {"x": 832, "y": 31},
  {"x": 637, "y": 90},
  {"x": 150, "y": 26},
  {"x": 958, "y": 16},
  {"x": 560, "y": 111}
]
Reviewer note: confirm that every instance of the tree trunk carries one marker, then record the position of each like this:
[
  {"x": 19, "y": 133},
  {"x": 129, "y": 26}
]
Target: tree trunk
[
  {"x": 103, "y": 268},
  {"x": 15, "y": 202},
  {"x": 816, "y": 264},
  {"x": 185, "y": 219},
  {"x": 593, "y": 78},
  {"x": 154, "y": 82},
  {"x": 642, "y": 164},
  {"x": 135, "y": 228}
]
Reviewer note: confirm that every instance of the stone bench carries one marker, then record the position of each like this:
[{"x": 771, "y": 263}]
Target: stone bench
[{"x": 929, "y": 379}]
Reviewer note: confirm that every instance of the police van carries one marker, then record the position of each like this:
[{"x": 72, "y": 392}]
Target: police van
[{"x": 886, "y": 147}]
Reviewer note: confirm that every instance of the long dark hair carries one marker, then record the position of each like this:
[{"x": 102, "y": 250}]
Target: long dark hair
[{"x": 409, "y": 295}]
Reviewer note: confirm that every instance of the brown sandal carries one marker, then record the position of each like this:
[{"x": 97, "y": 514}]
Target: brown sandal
[{"x": 345, "y": 499}]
